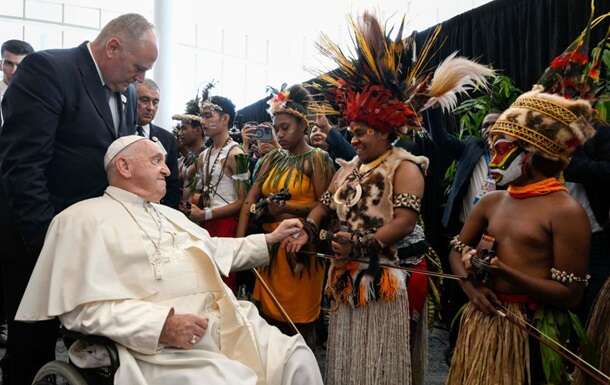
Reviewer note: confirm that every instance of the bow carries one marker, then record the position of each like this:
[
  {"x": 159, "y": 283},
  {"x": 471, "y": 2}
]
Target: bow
[
  {"x": 390, "y": 266},
  {"x": 275, "y": 300},
  {"x": 590, "y": 370},
  {"x": 587, "y": 368}
]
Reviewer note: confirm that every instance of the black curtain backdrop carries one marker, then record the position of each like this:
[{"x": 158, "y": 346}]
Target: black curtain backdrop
[{"x": 518, "y": 38}]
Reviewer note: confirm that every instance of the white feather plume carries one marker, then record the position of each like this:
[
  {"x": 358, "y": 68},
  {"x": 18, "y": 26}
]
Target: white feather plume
[{"x": 455, "y": 76}]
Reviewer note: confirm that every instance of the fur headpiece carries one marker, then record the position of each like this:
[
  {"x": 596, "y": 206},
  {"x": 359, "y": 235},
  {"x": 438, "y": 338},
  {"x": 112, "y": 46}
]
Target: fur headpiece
[
  {"x": 381, "y": 83},
  {"x": 550, "y": 125},
  {"x": 293, "y": 101}
]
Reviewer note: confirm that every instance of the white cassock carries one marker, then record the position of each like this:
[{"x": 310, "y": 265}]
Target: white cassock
[{"x": 103, "y": 271}]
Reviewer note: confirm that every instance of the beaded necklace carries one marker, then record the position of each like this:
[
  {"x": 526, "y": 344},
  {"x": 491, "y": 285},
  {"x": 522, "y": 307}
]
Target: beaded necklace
[{"x": 208, "y": 190}]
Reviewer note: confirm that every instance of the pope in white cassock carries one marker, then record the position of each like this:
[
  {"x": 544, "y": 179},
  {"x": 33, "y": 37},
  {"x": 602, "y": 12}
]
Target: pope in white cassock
[{"x": 143, "y": 275}]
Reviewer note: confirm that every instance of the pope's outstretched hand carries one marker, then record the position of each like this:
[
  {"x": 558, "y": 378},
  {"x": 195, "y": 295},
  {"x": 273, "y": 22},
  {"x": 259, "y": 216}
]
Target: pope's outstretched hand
[{"x": 288, "y": 228}]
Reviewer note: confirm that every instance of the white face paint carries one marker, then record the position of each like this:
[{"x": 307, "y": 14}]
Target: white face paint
[
  {"x": 511, "y": 173},
  {"x": 506, "y": 164}
]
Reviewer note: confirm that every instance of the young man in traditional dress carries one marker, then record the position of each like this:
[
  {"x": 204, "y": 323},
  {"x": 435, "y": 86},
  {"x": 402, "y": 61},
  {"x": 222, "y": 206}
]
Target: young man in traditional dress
[
  {"x": 223, "y": 179},
  {"x": 191, "y": 139},
  {"x": 150, "y": 280},
  {"x": 538, "y": 237},
  {"x": 376, "y": 198}
]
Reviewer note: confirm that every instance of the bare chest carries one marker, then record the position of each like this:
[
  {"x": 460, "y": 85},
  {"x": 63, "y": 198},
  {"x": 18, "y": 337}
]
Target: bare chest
[{"x": 521, "y": 228}]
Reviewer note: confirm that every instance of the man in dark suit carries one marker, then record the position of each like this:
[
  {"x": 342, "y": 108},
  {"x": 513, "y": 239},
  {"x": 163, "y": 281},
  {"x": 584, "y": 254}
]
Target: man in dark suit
[
  {"x": 148, "y": 102},
  {"x": 472, "y": 178},
  {"x": 63, "y": 109},
  {"x": 470, "y": 183}
]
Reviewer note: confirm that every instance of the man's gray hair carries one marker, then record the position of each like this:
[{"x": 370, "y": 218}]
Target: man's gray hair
[
  {"x": 130, "y": 26},
  {"x": 149, "y": 83}
]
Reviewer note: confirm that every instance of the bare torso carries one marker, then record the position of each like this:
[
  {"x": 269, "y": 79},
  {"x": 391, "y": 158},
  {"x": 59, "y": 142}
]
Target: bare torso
[{"x": 523, "y": 230}]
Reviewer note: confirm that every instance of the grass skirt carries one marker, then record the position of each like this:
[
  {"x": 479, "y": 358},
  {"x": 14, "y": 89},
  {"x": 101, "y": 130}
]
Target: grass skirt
[
  {"x": 370, "y": 344},
  {"x": 490, "y": 350},
  {"x": 598, "y": 332}
]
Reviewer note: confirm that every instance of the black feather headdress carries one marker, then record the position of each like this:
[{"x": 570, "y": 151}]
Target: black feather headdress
[{"x": 384, "y": 84}]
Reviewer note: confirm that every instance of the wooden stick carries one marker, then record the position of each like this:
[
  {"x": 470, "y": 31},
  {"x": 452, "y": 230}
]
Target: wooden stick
[{"x": 275, "y": 300}]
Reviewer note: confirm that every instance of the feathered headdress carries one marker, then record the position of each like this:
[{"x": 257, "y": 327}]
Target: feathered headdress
[
  {"x": 579, "y": 74},
  {"x": 205, "y": 101},
  {"x": 193, "y": 106},
  {"x": 293, "y": 101},
  {"x": 556, "y": 116},
  {"x": 383, "y": 85}
]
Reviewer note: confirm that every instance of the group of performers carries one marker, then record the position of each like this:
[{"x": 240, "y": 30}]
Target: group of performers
[{"x": 521, "y": 256}]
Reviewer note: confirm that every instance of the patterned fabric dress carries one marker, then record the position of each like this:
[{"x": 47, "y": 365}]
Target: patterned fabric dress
[{"x": 297, "y": 282}]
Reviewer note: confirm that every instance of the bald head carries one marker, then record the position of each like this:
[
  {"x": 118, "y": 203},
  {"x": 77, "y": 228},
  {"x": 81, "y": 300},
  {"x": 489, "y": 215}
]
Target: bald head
[
  {"x": 124, "y": 50},
  {"x": 140, "y": 169},
  {"x": 131, "y": 27}
]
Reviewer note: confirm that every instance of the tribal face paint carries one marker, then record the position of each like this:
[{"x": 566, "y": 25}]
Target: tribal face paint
[{"x": 506, "y": 164}]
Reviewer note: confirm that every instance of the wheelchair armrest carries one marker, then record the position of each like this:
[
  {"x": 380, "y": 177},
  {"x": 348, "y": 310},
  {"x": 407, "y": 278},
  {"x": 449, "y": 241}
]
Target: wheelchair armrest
[{"x": 70, "y": 336}]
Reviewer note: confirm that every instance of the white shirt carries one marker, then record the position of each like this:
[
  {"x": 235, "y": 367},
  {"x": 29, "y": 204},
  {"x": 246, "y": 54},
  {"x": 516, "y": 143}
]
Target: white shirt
[
  {"x": 578, "y": 192},
  {"x": 3, "y": 87},
  {"x": 479, "y": 185},
  {"x": 223, "y": 185},
  {"x": 146, "y": 129},
  {"x": 112, "y": 101}
]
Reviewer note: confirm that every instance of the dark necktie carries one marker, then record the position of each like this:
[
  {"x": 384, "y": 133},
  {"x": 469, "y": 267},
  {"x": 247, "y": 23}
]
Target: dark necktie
[{"x": 140, "y": 131}]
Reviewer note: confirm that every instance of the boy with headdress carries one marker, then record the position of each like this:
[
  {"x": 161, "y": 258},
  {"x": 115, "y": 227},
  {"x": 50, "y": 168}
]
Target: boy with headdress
[
  {"x": 536, "y": 238},
  {"x": 376, "y": 198},
  {"x": 539, "y": 261},
  {"x": 190, "y": 137}
]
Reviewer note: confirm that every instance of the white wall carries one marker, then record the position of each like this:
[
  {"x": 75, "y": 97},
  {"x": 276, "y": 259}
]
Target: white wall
[{"x": 244, "y": 45}]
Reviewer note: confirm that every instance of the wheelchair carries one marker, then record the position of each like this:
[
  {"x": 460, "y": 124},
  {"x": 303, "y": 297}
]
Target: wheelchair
[{"x": 66, "y": 373}]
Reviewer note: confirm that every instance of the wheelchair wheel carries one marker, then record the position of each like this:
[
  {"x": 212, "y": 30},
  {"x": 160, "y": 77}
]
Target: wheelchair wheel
[{"x": 58, "y": 373}]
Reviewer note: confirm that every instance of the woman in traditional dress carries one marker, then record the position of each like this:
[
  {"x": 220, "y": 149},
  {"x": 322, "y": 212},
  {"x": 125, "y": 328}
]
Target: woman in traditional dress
[
  {"x": 301, "y": 173},
  {"x": 376, "y": 198}
]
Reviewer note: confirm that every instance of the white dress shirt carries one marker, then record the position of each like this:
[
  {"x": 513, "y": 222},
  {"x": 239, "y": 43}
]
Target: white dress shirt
[{"x": 112, "y": 101}]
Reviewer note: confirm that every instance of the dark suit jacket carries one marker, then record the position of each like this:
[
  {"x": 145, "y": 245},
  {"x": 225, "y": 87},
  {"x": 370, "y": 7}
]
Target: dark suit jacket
[
  {"x": 467, "y": 153},
  {"x": 338, "y": 146},
  {"x": 56, "y": 131},
  {"x": 172, "y": 195},
  {"x": 591, "y": 166}
]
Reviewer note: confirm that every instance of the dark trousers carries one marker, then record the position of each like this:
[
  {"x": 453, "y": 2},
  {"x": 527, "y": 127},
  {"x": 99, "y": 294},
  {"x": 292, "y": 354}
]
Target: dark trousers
[{"x": 29, "y": 345}]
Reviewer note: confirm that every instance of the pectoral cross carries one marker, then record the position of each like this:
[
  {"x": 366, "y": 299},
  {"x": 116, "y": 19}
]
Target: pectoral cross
[{"x": 157, "y": 263}]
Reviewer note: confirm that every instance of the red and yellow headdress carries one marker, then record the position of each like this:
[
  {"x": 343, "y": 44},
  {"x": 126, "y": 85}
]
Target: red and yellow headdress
[
  {"x": 382, "y": 85},
  {"x": 294, "y": 101},
  {"x": 557, "y": 115}
]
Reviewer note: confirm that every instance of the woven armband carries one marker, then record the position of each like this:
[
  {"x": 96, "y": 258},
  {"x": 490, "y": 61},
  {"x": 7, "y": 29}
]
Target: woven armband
[
  {"x": 407, "y": 201},
  {"x": 459, "y": 246},
  {"x": 326, "y": 199}
]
